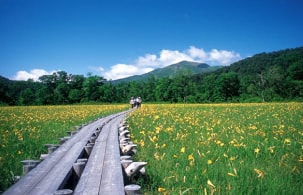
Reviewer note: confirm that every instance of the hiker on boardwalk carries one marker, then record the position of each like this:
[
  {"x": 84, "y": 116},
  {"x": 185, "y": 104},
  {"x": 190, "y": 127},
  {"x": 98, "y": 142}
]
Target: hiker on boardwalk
[
  {"x": 135, "y": 102},
  {"x": 132, "y": 102},
  {"x": 138, "y": 102}
]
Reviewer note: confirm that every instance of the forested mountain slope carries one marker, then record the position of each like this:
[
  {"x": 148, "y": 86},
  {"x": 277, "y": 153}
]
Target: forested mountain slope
[
  {"x": 171, "y": 71},
  {"x": 274, "y": 76}
]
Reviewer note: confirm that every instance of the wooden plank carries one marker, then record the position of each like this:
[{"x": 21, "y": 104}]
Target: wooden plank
[
  {"x": 59, "y": 172},
  {"x": 90, "y": 179},
  {"x": 103, "y": 172},
  {"x": 112, "y": 177},
  {"x": 50, "y": 173}
]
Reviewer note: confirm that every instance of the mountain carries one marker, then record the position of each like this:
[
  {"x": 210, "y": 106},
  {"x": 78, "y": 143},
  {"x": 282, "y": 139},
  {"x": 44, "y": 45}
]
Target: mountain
[
  {"x": 264, "y": 77},
  {"x": 273, "y": 76},
  {"x": 288, "y": 61},
  {"x": 180, "y": 68}
]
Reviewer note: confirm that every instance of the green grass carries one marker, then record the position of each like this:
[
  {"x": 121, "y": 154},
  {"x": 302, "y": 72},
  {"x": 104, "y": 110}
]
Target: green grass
[
  {"x": 239, "y": 148},
  {"x": 25, "y": 131}
]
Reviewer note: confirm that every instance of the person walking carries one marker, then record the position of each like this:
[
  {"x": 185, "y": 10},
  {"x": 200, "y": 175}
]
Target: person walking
[
  {"x": 139, "y": 101},
  {"x": 132, "y": 102}
]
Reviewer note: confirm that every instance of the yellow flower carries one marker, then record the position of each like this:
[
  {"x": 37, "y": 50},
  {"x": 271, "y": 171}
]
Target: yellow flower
[
  {"x": 182, "y": 150},
  {"x": 231, "y": 174},
  {"x": 155, "y": 138},
  {"x": 158, "y": 130},
  {"x": 156, "y": 155},
  {"x": 287, "y": 141},
  {"x": 210, "y": 184},
  {"x": 259, "y": 172},
  {"x": 271, "y": 149},
  {"x": 190, "y": 157},
  {"x": 168, "y": 129},
  {"x": 191, "y": 163},
  {"x": 257, "y": 150},
  {"x": 232, "y": 158},
  {"x": 161, "y": 189},
  {"x": 142, "y": 143},
  {"x": 209, "y": 162}
]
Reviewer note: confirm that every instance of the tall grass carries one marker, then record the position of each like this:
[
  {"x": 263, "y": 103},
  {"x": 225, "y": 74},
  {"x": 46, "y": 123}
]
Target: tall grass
[
  {"x": 25, "y": 130},
  {"x": 220, "y": 148}
]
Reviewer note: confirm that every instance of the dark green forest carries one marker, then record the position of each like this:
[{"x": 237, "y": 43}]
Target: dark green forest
[{"x": 265, "y": 77}]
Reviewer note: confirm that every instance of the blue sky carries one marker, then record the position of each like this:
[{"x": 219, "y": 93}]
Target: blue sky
[{"x": 119, "y": 38}]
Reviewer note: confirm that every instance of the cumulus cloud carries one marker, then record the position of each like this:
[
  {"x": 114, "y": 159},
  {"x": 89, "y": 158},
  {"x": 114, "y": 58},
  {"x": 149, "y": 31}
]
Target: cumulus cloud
[
  {"x": 119, "y": 71},
  {"x": 223, "y": 57},
  {"x": 197, "y": 53},
  {"x": 150, "y": 59},
  {"x": 149, "y": 62},
  {"x": 33, "y": 74},
  {"x": 168, "y": 57}
]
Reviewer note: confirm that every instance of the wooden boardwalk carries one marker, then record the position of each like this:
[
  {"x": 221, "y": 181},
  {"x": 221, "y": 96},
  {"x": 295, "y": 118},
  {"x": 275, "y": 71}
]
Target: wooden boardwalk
[{"x": 66, "y": 170}]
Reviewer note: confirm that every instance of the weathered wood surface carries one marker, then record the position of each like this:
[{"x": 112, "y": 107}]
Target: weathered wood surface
[
  {"x": 103, "y": 172},
  {"x": 100, "y": 173}
]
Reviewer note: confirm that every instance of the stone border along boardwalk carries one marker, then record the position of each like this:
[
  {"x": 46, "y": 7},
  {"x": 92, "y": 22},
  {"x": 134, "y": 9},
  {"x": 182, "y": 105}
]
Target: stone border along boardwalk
[{"x": 88, "y": 162}]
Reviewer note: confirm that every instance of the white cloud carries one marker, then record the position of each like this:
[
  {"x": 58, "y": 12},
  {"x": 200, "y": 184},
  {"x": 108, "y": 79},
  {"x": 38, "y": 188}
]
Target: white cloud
[
  {"x": 149, "y": 62},
  {"x": 197, "y": 53},
  {"x": 223, "y": 57},
  {"x": 119, "y": 71},
  {"x": 33, "y": 74},
  {"x": 166, "y": 57}
]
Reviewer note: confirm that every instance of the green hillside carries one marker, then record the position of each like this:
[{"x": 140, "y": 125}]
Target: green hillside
[
  {"x": 265, "y": 77},
  {"x": 273, "y": 76},
  {"x": 171, "y": 71}
]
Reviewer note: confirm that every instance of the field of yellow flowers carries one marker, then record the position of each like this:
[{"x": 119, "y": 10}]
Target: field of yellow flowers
[
  {"x": 220, "y": 148},
  {"x": 25, "y": 130}
]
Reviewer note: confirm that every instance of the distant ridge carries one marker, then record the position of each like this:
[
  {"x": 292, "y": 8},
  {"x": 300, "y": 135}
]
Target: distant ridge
[
  {"x": 180, "y": 68},
  {"x": 275, "y": 76}
]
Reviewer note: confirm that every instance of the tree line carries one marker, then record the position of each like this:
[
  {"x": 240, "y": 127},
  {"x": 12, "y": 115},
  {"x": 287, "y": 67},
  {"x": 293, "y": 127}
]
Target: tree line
[{"x": 265, "y": 77}]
